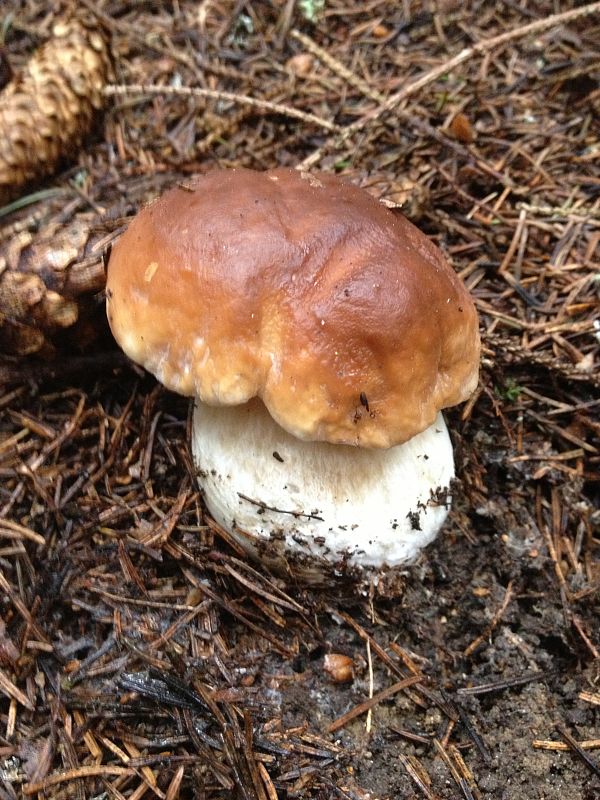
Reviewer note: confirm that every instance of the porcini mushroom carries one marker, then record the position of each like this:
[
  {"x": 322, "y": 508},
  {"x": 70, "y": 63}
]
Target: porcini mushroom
[{"x": 321, "y": 335}]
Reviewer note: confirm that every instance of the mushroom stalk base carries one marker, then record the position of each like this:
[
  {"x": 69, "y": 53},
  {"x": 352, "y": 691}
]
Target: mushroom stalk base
[{"x": 315, "y": 505}]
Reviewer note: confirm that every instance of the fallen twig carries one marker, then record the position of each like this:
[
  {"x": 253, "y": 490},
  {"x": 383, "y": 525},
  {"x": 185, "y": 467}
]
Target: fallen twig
[{"x": 121, "y": 90}]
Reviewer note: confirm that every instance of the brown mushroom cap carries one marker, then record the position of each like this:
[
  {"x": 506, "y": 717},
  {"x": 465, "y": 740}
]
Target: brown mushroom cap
[{"x": 302, "y": 290}]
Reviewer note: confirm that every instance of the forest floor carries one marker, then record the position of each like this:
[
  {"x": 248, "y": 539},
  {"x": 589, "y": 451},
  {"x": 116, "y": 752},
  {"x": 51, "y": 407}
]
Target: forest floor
[{"x": 140, "y": 655}]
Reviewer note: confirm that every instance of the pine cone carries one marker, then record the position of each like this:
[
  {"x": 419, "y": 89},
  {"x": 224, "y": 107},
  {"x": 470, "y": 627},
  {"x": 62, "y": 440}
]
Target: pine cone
[
  {"x": 47, "y": 109},
  {"x": 46, "y": 284}
]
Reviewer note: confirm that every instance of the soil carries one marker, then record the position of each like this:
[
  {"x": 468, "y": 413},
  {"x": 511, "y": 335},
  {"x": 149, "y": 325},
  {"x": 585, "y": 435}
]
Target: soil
[{"x": 453, "y": 596}]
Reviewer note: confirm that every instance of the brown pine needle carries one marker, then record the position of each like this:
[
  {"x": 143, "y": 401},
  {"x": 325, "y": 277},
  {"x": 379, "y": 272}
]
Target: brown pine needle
[
  {"x": 361, "y": 708},
  {"x": 590, "y": 697},
  {"x": 12, "y": 530},
  {"x": 416, "y": 771},
  {"x": 548, "y": 744},
  {"x": 86, "y": 771},
  {"x": 7, "y": 687}
]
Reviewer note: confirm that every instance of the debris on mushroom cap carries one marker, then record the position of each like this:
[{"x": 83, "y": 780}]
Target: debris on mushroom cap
[{"x": 302, "y": 290}]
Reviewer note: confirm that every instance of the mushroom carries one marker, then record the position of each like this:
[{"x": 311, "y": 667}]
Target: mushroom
[{"x": 321, "y": 335}]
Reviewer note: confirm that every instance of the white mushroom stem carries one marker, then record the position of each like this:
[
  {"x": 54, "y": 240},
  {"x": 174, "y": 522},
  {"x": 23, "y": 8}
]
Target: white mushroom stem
[{"x": 325, "y": 503}]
